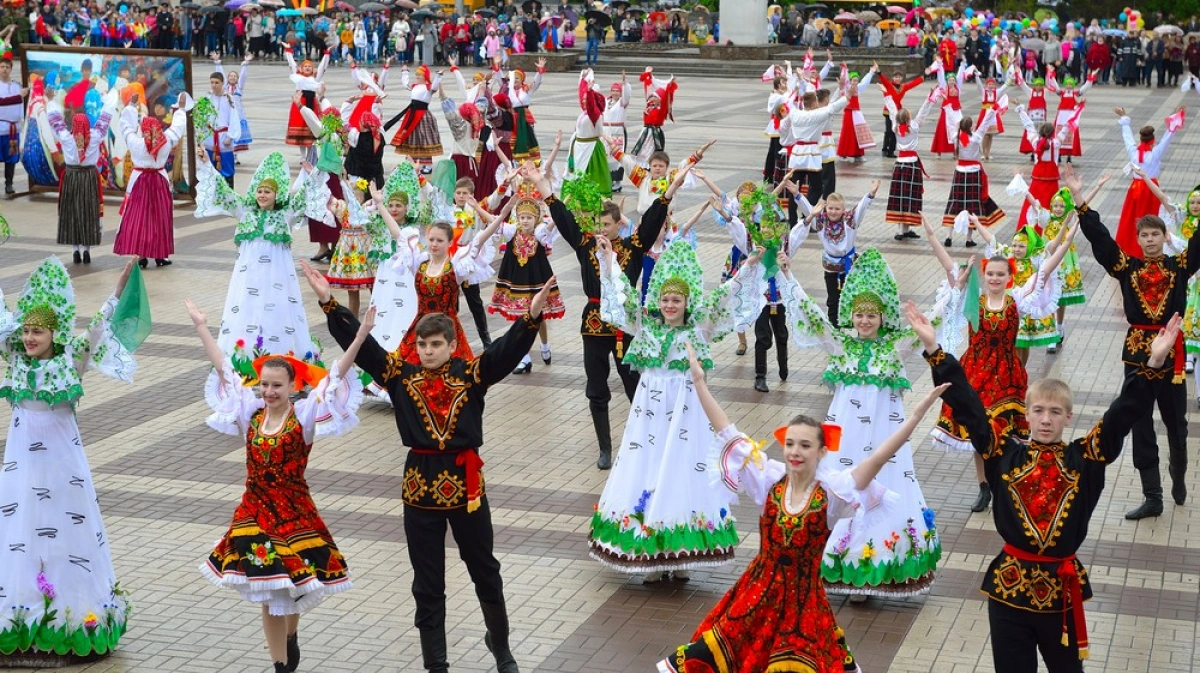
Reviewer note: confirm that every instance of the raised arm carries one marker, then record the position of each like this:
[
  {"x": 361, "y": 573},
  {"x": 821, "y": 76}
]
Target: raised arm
[
  {"x": 344, "y": 328},
  {"x": 939, "y": 251},
  {"x": 211, "y": 349},
  {"x": 1104, "y": 248}
]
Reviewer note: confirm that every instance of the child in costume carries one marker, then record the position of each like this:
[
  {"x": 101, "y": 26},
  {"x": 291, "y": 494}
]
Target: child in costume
[
  {"x": 856, "y": 136},
  {"x": 1028, "y": 253},
  {"x": 263, "y": 313},
  {"x": 588, "y": 157},
  {"x": 1183, "y": 219},
  {"x": 418, "y": 136},
  {"x": 1047, "y": 149},
  {"x": 326, "y": 153},
  {"x": 660, "y": 98},
  {"x": 1044, "y": 494},
  {"x": 524, "y": 142},
  {"x": 525, "y": 269},
  {"x": 969, "y": 191},
  {"x": 352, "y": 267},
  {"x": 61, "y": 596},
  {"x": 147, "y": 213},
  {"x": 906, "y": 191},
  {"x": 235, "y": 87},
  {"x": 467, "y": 214},
  {"x": 307, "y": 78},
  {"x": 654, "y": 515},
  {"x": 394, "y": 296},
  {"x": 80, "y": 206},
  {"x": 471, "y": 155},
  {"x": 1035, "y": 108},
  {"x": 1070, "y": 106},
  {"x": 615, "y": 108},
  {"x": 951, "y": 114},
  {"x": 221, "y": 128},
  {"x": 1147, "y": 155},
  {"x": 991, "y": 98},
  {"x": 277, "y": 552},
  {"x": 777, "y": 616},
  {"x": 893, "y": 551}
]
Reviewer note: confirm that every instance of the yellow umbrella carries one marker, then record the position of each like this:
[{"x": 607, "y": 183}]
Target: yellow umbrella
[
  {"x": 888, "y": 24},
  {"x": 935, "y": 11},
  {"x": 822, "y": 23}
]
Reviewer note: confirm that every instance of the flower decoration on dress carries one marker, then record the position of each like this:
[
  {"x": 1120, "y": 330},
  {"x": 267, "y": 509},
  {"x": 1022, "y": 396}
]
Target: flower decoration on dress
[
  {"x": 677, "y": 269},
  {"x": 262, "y": 554},
  {"x": 274, "y": 169},
  {"x": 5, "y": 231},
  {"x": 203, "y": 116},
  {"x": 872, "y": 274},
  {"x": 49, "y": 301}
]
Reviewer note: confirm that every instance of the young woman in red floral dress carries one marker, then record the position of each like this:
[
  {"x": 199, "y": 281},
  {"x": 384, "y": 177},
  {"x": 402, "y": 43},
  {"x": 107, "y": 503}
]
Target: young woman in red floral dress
[
  {"x": 777, "y": 616},
  {"x": 278, "y": 552}
]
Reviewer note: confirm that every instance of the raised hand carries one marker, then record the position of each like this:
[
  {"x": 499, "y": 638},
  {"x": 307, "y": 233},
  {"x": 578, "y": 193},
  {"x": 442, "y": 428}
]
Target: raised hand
[
  {"x": 930, "y": 398},
  {"x": 921, "y": 325},
  {"x": 124, "y": 278},
  {"x": 195, "y": 313},
  {"x": 368, "y": 322},
  {"x": 539, "y": 300},
  {"x": 1164, "y": 341},
  {"x": 694, "y": 367},
  {"x": 1073, "y": 181}
]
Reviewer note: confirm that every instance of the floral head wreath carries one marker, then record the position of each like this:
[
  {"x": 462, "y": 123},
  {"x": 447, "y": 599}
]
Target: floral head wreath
[
  {"x": 872, "y": 279},
  {"x": 275, "y": 170},
  {"x": 831, "y": 432},
  {"x": 402, "y": 181},
  {"x": 677, "y": 271},
  {"x": 48, "y": 301}
]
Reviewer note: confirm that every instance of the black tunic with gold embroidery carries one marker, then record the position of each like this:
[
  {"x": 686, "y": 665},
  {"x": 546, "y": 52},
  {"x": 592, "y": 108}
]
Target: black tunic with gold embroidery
[
  {"x": 439, "y": 412},
  {"x": 629, "y": 250},
  {"x": 1152, "y": 290},
  {"x": 1043, "y": 495}
]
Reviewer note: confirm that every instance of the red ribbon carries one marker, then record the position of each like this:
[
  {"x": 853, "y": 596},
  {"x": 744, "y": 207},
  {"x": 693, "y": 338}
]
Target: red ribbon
[
  {"x": 1074, "y": 592},
  {"x": 1177, "y": 365},
  {"x": 912, "y": 154}
]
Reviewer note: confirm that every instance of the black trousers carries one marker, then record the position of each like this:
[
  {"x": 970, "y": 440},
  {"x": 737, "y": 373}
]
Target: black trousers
[
  {"x": 475, "y": 304},
  {"x": 814, "y": 180},
  {"x": 618, "y": 173},
  {"x": 1018, "y": 635},
  {"x": 425, "y": 530},
  {"x": 770, "y": 329},
  {"x": 596, "y": 353},
  {"x": 772, "y": 160},
  {"x": 833, "y": 290},
  {"x": 1172, "y": 406},
  {"x": 828, "y": 179},
  {"x": 889, "y": 137}
]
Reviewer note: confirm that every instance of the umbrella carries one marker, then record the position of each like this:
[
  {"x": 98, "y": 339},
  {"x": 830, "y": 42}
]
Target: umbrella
[
  {"x": 287, "y": 12},
  {"x": 815, "y": 5},
  {"x": 603, "y": 20},
  {"x": 1114, "y": 32},
  {"x": 571, "y": 15},
  {"x": 635, "y": 10},
  {"x": 407, "y": 4},
  {"x": 234, "y": 4},
  {"x": 846, "y": 17},
  {"x": 895, "y": 9},
  {"x": 250, "y": 6},
  {"x": 935, "y": 11},
  {"x": 532, "y": 7},
  {"x": 343, "y": 5},
  {"x": 189, "y": 5},
  {"x": 1034, "y": 43},
  {"x": 422, "y": 14},
  {"x": 657, "y": 16},
  {"x": 270, "y": 3},
  {"x": 211, "y": 9},
  {"x": 1044, "y": 14},
  {"x": 556, "y": 20},
  {"x": 485, "y": 13},
  {"x": 770, "y": 10},
  {"x": 372, "y": 7},
  {"x": 677, "y": 11},
  {"x": 618, "y": 4},
  {"x": 307, "y": 11},
  {"x": 431, "y": 5},
  {"x": 823, "y": 23},
  {"x": 869, "y": 16},
  {"x": 1169, "y": 30},
  {"x": 888, "y": 24}
]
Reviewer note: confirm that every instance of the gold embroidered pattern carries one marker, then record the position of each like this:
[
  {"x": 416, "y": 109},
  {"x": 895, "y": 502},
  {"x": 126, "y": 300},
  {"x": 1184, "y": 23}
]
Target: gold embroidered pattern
[
  {"x": 329, "y": 306},
  {"x": 1042, "y": 490},
  {"x": 1008, "y": 577},
  {"x": 447, "y": 489},
  {"x": 415, "y": 486},
  {"x": 1152, "y": 283},
  {"x": 439, "y": 397},
  {"x": 1138, "y": 341},
  {"x": 936, "y": 358},
  {"x": 395, "y": 366},
  {"x": 1091, "y": 445},
  {"x": 1043, "y": 588}
]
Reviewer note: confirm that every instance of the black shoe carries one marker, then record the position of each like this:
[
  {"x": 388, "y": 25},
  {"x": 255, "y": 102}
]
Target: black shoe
[
  {"x": 8, "y": 189},
  {"x": 911, "y": 234},
  {"x": 433, "y": 650},
  {"x": 599, "y": 411},
  {"x": 162, "y": 262},
  {"x": 760, "y": 384},
  {"x": 523, "y": 368},
  {"x": 970, "y": 243},
  {"x": 1149, "y": 508},
  {"x": 293, "y": 652},
  {"x": 1178, "y": 485},
  {"x": 984, "y": 499},
  {"x": 281, "y": 667},
  {"x": 87, "y": 257},
  {"x": 504, "y": 659},
  {"x": 143, "y": 262},
  {"x": 898, "y": 237},
  {"x": 783, "y": 372},
  {"x": 76, "y": 258},
  {"x": 317, "y": 257},
  {"x": 546, "y": 357},
  {"x": 605, "y": 460},
  {"x": 948, "y": 242}
]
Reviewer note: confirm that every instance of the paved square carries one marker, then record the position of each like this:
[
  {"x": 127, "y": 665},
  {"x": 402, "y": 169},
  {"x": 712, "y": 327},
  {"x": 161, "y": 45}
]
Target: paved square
[{"x": 168, "y": 484}]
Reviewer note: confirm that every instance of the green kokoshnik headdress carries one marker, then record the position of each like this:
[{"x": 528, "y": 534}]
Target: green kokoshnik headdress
[
  {"x": 677, "y": 267},
  {"x": 275, "y": 172},
  {"x": 48, "y": 301},
  {"x": 870, "y": 284},
  {"x": 403, "y": 180}
]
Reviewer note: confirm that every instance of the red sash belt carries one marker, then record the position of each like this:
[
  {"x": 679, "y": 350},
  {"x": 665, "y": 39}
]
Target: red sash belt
[
  {"x": 469, "y": 460},
  {"x": 1177, "y": 366},
  {"x": 617, "y": 332},
  {"x": 912, "y": 154},
  {"x": 1071, "y": 587},
  {"x": 984, "y": 191}
]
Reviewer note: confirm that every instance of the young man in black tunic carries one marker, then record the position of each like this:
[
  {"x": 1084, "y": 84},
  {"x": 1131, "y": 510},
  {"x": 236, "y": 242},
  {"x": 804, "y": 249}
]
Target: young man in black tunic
[{"x": 439, "y": 411}]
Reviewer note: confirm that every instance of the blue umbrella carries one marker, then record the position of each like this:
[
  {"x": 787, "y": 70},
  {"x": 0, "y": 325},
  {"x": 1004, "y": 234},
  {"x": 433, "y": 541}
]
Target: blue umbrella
[{"x": 1115, "y": 32}]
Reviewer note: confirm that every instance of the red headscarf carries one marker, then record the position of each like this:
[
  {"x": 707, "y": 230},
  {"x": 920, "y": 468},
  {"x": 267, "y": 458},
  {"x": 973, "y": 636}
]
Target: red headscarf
[
  {"x": 501, "y": 101},
  {"x": 81, "y": 125},
  {"x": 471, "y": 115},
  {"x": 369, "y": 123},
  {"x": 153, "y": 135}
]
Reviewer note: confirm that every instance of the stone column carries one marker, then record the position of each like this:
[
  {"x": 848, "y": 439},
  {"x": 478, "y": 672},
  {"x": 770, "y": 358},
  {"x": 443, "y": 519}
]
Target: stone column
[{"x": 744, "y": 22}]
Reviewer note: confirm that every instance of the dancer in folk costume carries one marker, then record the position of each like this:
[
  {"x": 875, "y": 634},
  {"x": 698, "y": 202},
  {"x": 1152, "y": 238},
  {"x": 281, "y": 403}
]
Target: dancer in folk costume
[
  {"x": 616, "y": 107},
  {"x": 969, "y": 192},
  {"x": 418, "y": 136},
  {"x": 520, "y": 94},
  {"x": 894, "y": 90},
  {"x": 307, "y": 78},
  {"x": 724, "y": 206},
  {"x": 947, "y": 126},
  {"x": 394, "y": 296},
  {"x": 802, "y": 136},
  {"x": 352, "y": 267},
  {"x": 148, "y": 210},
  {"x": 895, "y": 550},
  {"x": 364, "y": 150},
  {"x": 61, "y": 596},
  {"x": 471, "y": 157},
  {"x": 1147, "y": 155},
  {"x": 1048, "y": 146},
  {"x": 906, "y": 191},
  {"x": 263, "y": 313},
  {"x": 41, "y": 153},
  {"x": 654, "y": 517},
  {"x": 11, "y": 112},
  {"x": 220, "y": 126},
  {"x": 326, "y": 154},
  {"x": 1035, "y": 108},
  {"x": 80, "y": 202},
  {"x": 525, "y": 268},
  {"x": 1031, "y": 254},
  {"x": 588, "y": 159},
  {"x": 443, "y": 479},
  {"x": 370, "y": 95},
  {"x": 277, "y": 552},
  {"x": 653, "y": 177},
  {"x": 1044, "y": 493},
  {"x": 1050, "y": 221},
  {"x": 992, "y": 97},
  {"x": 1183, "y": 218},
  {"x": 856, "y": 135},
  {"x": 235, "y": 86},
  {"x": 779, "y": 102},
  {"x": 480, "y": 82},
  {"x": 660, "y": 102},
  {"x": 777, "y": 616},
  {"x": 1070, "y": 106}
]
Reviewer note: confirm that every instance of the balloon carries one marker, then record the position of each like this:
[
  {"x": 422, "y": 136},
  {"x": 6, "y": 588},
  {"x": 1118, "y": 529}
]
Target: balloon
[
  {"x": 995, "y": 22},
  {"x": 969, "y": 12},
  {"x": 996, "y": 30},
  {"x": 1122, "y": 17},
  {"x": 1141, "y": 24},
  {"x": 947, "y": 24}
]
